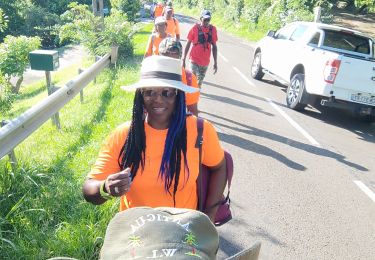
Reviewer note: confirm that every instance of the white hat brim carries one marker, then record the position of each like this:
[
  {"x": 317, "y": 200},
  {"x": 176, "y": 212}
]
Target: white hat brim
[{"x": 157, "y": 83}]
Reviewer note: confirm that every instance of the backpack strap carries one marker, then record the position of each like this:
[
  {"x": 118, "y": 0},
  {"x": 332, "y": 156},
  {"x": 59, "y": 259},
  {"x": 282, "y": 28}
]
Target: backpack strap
[
  {"x": 152, "y": 43},
  {"x": 198, "y": 144}
]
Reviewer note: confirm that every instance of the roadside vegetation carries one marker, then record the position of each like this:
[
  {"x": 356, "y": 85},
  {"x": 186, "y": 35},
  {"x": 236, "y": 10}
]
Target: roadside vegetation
[
  {"x": 251, "y": 19},
  {"x": 43, "y": 213}
]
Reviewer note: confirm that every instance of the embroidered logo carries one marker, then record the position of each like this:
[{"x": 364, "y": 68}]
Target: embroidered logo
[
  {"x": 191, "y": 241},
  {"x": 134, "y": 242}
]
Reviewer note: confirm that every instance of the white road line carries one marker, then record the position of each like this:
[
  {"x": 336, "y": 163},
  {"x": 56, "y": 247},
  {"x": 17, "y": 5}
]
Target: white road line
[
  {"x": 294, "y": 124},
  {"x": 366, "y": 190},
  {"x": 288, "y": 118},
  {"x": 221, "y": 56},
  {"x": 244, "y": 77}
]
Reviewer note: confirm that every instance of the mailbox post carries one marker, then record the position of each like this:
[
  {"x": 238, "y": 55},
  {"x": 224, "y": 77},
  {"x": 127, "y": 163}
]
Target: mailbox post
[{"x": 48, "y": 61}]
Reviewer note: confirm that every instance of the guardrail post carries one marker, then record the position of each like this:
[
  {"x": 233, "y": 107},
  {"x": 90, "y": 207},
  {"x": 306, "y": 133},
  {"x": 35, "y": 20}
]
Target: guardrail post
[
  {"x": 55, "y": 118},
  {"x": 96, "y": 59},
  {"x": 81, "y": 92},
  {"x": 11, "y": 154},
  {"x": 114, "y": 54}
]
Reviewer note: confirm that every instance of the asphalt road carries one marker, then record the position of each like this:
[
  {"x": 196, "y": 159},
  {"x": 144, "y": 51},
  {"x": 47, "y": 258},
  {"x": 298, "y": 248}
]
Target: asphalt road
[{"x": 300, "y": 179}]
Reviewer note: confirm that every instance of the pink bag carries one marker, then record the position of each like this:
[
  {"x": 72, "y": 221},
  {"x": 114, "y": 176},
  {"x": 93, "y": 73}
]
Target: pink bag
[{"x": 223, "y": 214}]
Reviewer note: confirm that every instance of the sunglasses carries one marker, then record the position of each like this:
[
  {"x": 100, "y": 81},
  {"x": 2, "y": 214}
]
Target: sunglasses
[
  {"x": 207, "y": 20},
  {"x": 167, "y": 94}
]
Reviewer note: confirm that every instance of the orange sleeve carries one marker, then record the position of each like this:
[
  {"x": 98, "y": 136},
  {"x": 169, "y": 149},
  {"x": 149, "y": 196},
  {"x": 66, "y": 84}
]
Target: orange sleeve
[
  {"x": 212, "y": 152},
  {"x": 149, "y": 46},
  {"x": 157, "y": 41},
  {"x": 107, "y": 161},
  {"x": 177, "y": 29},
  {"x": 191, "y": 98}
]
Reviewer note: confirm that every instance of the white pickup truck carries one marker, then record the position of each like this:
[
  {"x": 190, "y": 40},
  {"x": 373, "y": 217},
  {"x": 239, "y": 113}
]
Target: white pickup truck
[{"x": 320, "y": 62}]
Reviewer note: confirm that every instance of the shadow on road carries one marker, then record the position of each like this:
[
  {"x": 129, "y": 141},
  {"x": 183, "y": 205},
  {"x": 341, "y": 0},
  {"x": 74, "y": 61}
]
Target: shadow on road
[
  {"x": 235, "y": 102},
  {"x": 260, "y": 149},
  {"x": 233, "y": 90},
  {"x": 340, "y": 118}
]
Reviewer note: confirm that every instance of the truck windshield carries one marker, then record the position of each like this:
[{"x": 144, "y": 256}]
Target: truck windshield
[{"x": 348, "y": 41}]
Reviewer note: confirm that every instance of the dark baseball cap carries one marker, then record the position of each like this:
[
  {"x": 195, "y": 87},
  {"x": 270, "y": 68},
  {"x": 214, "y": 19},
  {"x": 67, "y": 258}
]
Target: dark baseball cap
[
  {"x": 144, "y": 232},
  {"x": 205, "y": 14}
]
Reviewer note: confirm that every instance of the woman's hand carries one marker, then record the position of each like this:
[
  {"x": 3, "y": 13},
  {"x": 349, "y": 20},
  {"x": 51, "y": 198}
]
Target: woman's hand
[{"x": 119, "y": 183}]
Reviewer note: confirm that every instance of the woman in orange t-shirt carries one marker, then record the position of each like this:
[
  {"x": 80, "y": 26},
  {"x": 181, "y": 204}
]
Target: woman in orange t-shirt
[
  {"x": 156, "y": 37},
  {"x": 153, "y": 160}
]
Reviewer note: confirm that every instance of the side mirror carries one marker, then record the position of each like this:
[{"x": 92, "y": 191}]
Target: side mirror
[{"x": 271, "y": 34}]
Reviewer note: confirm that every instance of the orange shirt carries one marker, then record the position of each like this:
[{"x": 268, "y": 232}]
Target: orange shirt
[
  {"x": 153, "y": 44},
  {"x": 191, "y": 98},
  {"x": 158, "y": 10},
  {"x": 173, "y": 27},
  {"x": 147, "y": 189}
]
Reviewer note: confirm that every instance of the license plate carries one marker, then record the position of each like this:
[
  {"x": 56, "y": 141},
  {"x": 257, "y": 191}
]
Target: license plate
[{"x": 363, "y": 99}]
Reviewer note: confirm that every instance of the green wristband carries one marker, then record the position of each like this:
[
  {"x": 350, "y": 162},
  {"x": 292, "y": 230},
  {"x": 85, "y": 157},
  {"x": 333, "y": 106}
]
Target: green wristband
[{"x": 104, "y": 194}]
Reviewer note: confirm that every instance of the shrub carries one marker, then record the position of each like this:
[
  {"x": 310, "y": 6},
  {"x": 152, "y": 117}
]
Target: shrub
[
  {"x": 6, "y": 96},
  {"x": 81, "y": 25},
  {"x": 128, "y": 7},
  {"x": 14, "y": 57}
]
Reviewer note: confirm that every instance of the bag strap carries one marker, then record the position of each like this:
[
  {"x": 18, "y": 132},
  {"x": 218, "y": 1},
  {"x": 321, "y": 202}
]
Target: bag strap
[
  {"x": 229, "y": 167},
  {"x": 198, "y": 144}
]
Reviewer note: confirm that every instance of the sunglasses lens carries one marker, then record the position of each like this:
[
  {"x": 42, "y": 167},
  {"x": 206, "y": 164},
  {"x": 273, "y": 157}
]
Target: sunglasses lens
[
  {"x": 148, "y": 93},
  {"x": 152, "y": 94},
  {"x": 168, "y": 93}
]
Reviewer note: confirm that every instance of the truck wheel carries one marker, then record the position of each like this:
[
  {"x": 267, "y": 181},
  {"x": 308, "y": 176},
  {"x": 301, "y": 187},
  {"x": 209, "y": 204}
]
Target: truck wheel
[
  {"x": 295, "y": 92},
  {"x": 256, "y": 67}
]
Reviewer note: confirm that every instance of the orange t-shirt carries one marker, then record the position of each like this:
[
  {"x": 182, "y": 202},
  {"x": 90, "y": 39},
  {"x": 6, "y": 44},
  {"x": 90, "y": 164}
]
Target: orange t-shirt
[
  {"x": 158, "y": 10},
  {"x": 153, "y": 44},
  {"x": 173, "y": 27},
  {"x": 147, "y": 188},
  {"x": 191, "y": 98}
]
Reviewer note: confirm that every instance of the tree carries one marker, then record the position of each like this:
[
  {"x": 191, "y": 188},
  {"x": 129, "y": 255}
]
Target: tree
[
  {"x": 3, "y": 21},
  {"x": 128, "y": 7},
  {"x": 14, "y": 57},
  {"x": 81, "y": 25}
]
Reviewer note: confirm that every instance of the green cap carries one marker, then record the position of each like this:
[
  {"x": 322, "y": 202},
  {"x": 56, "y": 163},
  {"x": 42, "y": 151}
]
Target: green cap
[{"x": 144, "y": 232}]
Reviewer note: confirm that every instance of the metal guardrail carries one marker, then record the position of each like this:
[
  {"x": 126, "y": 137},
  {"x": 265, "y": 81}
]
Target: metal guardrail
[{"x": 18, "y": 129}]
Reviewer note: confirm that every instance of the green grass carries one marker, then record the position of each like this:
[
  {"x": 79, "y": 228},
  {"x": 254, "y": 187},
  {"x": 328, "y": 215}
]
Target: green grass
[
  {"x": 242, "y": 29},
  {"x": 43, "y": 213}
]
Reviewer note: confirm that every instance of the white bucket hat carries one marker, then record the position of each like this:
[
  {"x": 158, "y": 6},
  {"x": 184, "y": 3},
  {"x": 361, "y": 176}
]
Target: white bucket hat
[
  {"x": 160, "y": 20},
  {"x": 160, "y": 71}
]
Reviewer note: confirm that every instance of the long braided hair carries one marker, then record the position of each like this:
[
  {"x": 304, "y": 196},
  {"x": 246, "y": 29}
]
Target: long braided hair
[{"x": 132, "y": 153}]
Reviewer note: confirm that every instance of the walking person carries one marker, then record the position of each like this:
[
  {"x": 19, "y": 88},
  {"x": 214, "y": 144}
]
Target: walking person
[
  {"x": 172, "y": 48},
  {"x": 173, "y": 26},
  {"x": 158, "y": 10},
  {"x": 153, "y": 160},
  {"x": 156, "y": 37},
  {"x": 203, "y": 36}
]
